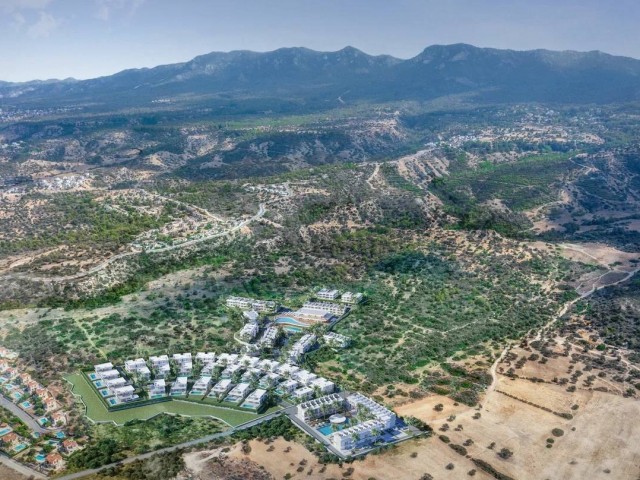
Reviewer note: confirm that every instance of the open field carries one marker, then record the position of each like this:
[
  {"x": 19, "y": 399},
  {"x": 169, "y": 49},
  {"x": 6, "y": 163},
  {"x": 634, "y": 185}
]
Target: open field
[{"x": 97, "y": 412}]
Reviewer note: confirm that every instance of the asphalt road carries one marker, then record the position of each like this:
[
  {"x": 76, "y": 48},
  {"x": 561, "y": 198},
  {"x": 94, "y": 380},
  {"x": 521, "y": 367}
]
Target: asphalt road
[
  {"x": 22, "y": 415},
  {"x": 191, "y": 443}
]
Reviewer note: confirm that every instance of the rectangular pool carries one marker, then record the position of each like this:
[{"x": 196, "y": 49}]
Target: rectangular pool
[{"x": 5, "y": 430}]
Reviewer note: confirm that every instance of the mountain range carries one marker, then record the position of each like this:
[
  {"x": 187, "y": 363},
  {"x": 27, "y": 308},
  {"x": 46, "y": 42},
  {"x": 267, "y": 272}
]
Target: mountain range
[{"x": 480, "y": 74}]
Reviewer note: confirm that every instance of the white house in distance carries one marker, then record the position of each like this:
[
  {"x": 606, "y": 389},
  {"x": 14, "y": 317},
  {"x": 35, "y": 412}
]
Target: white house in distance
[
  {"x": 244, "y": 303},
  {"x": 179, "y": 387},
  {"x": 322, "y": 384},
  {"x": 108, "y": 374},
  {"x": 125, "y": 394},
  {"x": 334, "y": 308},
  {"x": 255, "y": 400},
  {"x": 357, "y": 436},
  {"x": 327, "y": 294},
  {"x": 321, "y": 407},
  {"x": 302, "y": 393},
  {"x": 251, "y": 316},
  {"x": 336, "y": 340},
  {"x": 301, "y": 347},
  {"x": 103, "y": 367},
  {"x": 351, "y": 298}
]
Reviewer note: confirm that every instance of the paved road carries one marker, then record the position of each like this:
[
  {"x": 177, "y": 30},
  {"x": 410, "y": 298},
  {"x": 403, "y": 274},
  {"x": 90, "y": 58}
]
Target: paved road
[
  {"x": 20, "y": 468},
  {"x": 191, "y": 443},
  {"x": 22, "y": 415}
]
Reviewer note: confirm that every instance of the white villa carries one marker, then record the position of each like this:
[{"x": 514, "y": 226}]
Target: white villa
[
  {"x": 255, "y": 399},
  {"x": 238, "y": 393},
  {"x": 244, "y": 303},
  {"x": 108, "y": 374},
  {"x": 103, "y": 367},
  {"x": 251, "y": 316},
  {"x": 137, "y": 366},
  {"x": 179, "y": 387},
  {"x": 227, "y": 359},
  {"x": 324, "y": 385},
  {"x": 302, "y": 393},
  {"x": 336, "y": 340},
  {"x": 270, "y": 380},
  {"x": 288, "y": 386},
  {"x": 326, "y": 294},
  {"x": 206, "y": 358},
  {"x": 184, "y": 362},
  {"x": 305, "y": 377},
  {"x": 160, "y": 365},
  {"x": 125, "y": 393},
  {"x": 249, "y": 331},
  {"x": 201, "y": 386},
  {"x": 351, "y": 298},
  {"x": 158, "y": 388},
  {"x": 230, "y": 370},
  {"x": 221, "y": 388},
  {"x": 114, "y": 383},
  {"x": 321, "y": 407}
]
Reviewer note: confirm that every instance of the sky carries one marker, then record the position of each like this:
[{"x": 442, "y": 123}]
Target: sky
[{"x": 41, "y": 39}]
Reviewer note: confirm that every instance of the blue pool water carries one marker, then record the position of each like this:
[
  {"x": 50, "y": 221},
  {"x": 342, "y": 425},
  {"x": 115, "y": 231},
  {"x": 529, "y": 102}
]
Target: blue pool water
[
  {"x": 326, "y": 429},
  {"x": 20, "y": 447},
  {"x": 26, "y": 405},
  {"x": 93, "y": 376},
  {"x": 60, "y": 434},
  {"x": 4, "y": 431},
  {"x": 53, "y": 443},
  {"x": 9, "y": 386},
  {"x": 99, "y": 384},
  {"x": 43, "y": 421},
  {"x": 3, "y": 380},
  {"x": 113, "y": 401},
  {"x": 290, "y": 321},
  {"x": 41, "y": 457},
  {"x": 104, "y": 392},
  {"x": 293, "y": 329},
  {"x": 16, "y": 395}
]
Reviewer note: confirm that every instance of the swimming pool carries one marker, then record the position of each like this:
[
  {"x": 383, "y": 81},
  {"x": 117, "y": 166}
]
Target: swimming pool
[
  {"x": 26, "y": 405},
  {"x": 60, "y": 434},
  {"x": 3, "y": 380},
  {"x": 290, "y": 321},
  {"x": 20, "y": 447},
  {"x": 99, "y": 383},
  {"x": 16, "y": 395},
  {"x": 93, "y": 376},
  {"x": 43, "y": 421},
  {"x": 112, "y": 401},
  {"x": 327, "y": 429},
  {"x": 289, "y": 328},
  {"x": 105, "y": 392},
  {"x": 41, "y": 457},
  {"x": 5, "y": 430}
]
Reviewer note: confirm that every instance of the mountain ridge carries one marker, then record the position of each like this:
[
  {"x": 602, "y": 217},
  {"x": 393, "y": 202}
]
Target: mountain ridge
[{"x": 489, "y": 74}]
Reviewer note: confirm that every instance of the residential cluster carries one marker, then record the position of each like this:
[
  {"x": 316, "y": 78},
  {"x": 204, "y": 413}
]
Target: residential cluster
[
  {"x": 351, "y": 422},
  {"x": 238, "y": 380},
  {"x": 37, "y": 438}
]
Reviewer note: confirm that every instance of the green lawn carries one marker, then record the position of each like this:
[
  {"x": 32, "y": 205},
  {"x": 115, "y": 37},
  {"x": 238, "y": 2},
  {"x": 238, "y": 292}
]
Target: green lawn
[{"x": 97, "y": 411}]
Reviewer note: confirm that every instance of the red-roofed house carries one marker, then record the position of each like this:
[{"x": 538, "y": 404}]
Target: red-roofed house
[
  {"x": 10, "y": 438},
  {"x": 70, "y": 446},
  {"x": 59, "y": 418},
  {"x": 55, "y": 460},
  {"x": 50, "y": 404}
]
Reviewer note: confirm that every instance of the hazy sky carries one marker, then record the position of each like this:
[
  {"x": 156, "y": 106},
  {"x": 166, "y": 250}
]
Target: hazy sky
[{"x": 89, "y": 38}]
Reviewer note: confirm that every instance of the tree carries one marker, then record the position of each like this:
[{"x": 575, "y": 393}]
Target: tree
[{"x": 505, "y": 453}]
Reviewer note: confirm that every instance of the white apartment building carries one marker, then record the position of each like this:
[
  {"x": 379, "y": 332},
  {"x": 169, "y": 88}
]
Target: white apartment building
[
  {"x": 305, "y": 377},
  {"x": 325, "y": 386},
  {"x": 137, "y": 366},
  {"x": 302, "y": 393},
  {"x": 382, "y": 414},
  {"x": 125, "y": 393},
  {"x": 321, "y": 407},
  {"x": 245, "y": 303},
  {"x": 108, "y": 374},
  {"x": 205, "y": 358},
  {"x": 103, "y": 367},
  {"x": 351, "y": 298},
  {"x": 184, "y": 362},
  {"x": 249, "y": 331},
  {"x": 160, "y": 365},
  {"x": 270, "y": 336},
  {"x": 365, "y": 433},
  {"x": 327, "y": 294},
  {"x": 287, "y": 387},
  {"x": 302, "y": 346},
  {"x": 333, "y": 308}
]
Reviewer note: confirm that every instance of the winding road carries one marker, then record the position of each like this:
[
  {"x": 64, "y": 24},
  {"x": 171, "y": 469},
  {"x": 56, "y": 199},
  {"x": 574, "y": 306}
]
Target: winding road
[{"x": 261, "y": 211}]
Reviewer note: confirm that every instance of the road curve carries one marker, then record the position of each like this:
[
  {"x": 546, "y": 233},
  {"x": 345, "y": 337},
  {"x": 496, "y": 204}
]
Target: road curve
[
  {"x": 109, "y": 261},
  {"x": 191, "y": 443}
]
